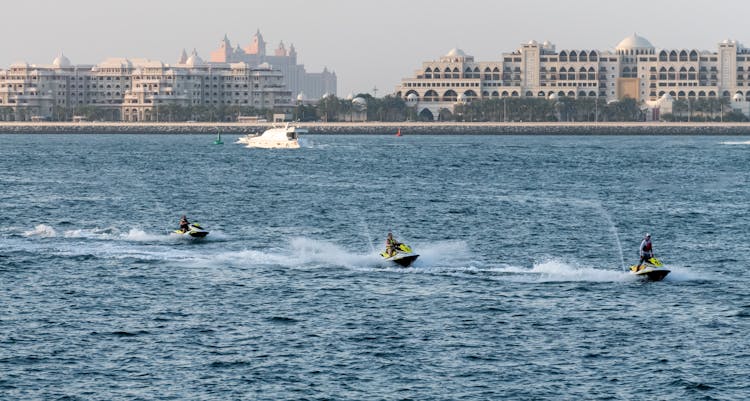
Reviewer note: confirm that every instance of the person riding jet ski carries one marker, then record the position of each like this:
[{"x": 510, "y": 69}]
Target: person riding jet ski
[
  {"x": 391, "y": 245},
  {"x": 646, "y": 250},
  {"x": 184, "y": 224}
]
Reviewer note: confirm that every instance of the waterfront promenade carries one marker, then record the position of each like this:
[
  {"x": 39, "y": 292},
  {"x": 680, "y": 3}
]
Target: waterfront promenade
[{"x": 378, "y": 128}]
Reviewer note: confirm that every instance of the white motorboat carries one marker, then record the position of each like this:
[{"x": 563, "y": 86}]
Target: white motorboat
[{"x": 286, "y": 137}]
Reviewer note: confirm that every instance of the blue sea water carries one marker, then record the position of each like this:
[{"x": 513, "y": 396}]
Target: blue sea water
[{"x": 520, "y": 292}]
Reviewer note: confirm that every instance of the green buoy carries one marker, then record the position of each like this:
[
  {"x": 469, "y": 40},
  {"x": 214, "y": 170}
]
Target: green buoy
[{"x": 218, "y": 139}]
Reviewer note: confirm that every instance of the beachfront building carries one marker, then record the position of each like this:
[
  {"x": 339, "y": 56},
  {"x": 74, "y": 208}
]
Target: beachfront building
[
  {"x": 296, "y": 77},
  {"x": 635, "y": 69},
  {"x": 136, "y": 89}
]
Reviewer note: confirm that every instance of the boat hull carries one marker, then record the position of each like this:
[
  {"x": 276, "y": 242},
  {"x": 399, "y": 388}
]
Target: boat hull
[
  {"x": 650, "y": 273},
  {"x": 403, "y": 260}
]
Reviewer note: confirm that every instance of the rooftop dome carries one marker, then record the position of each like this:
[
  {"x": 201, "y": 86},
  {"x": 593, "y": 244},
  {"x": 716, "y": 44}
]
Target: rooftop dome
[
  {"x": 194, "y": 59},
  {"x": 412, "y": 97},
  {"x": 359, "y": 102},
  {"x": 301, "y": 97},
  {"x": 738, "y": 97},
  {"x": 61, "y": 61},
  {"x": 634, "y": 42},
  {"x": 456, "y": 52}
]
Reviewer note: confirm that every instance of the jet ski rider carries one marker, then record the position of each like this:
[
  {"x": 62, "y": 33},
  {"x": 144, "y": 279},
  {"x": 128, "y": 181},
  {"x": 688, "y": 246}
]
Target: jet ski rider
[
  {"x": 646, "y": 250},
  {"x": 184, "y": 224},
  {"x": 391, "y": 245}
]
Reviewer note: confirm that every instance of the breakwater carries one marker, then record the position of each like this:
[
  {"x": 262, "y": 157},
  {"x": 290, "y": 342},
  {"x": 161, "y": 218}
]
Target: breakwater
[{"x": 408, "y": 128}]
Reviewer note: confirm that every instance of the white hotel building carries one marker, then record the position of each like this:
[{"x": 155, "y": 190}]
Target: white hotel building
[
  {"x": 133, "y": 90},
  {"x": 635, "y": 69}
]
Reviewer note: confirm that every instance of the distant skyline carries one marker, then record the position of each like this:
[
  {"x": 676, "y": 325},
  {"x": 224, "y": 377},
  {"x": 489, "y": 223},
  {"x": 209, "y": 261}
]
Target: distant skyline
[{"x": 367, "y": 44}]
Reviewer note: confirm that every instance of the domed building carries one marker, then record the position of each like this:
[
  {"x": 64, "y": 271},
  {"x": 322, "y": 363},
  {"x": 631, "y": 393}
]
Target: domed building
[{"x": 635, "y": 69}]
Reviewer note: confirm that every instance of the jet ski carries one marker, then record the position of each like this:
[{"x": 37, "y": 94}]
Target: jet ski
[
  {"x": 652, "y": 269},
  {"x": 402, "y": 257},
  {"x": 195, "y": 231}
]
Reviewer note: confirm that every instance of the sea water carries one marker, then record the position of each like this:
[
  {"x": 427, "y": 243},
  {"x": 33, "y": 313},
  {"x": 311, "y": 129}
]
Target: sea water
[{"x": 520, "y": 292}]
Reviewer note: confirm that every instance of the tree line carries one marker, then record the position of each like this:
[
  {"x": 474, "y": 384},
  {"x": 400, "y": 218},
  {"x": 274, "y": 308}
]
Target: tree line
[{"x": 392, "y": 108}]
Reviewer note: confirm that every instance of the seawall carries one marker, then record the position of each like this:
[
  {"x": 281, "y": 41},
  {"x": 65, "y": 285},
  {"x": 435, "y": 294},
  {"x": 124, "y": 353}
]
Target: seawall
[{"x": 409, "y": 128}]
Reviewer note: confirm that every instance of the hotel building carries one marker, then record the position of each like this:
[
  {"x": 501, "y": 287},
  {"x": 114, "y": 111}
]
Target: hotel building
[
  {"x": 135, "y": 89},
  {"x": 635, "y": 69},
  {"x": 312, "y": 86}
]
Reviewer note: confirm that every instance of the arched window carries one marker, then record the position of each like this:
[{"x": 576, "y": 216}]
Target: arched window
[
  {"x": 470, "y": 94},
  {"x": 593, "y": 56},
  {"x": 592, "y": 94},
  {"x": 683, "y": 56},
  {"x": 701, "y": 94},
  {"x": 450, "y": 96},
  {"x": 561, "y": 94},
  {"x": 514, "y": 94},
  {"x": 431, "y": 96},
  {"x": 495, "y": 94},
  {"x": 505, "y": 93},
  {"x": 583, "y": 56},
  {"x": 693, "y": 55},
  {"x": 673, "y": 56},
  {"x": 581, "y": 94},
  {"x": 541, "y": 94},
  {"x": 573, "y": 56},
  {"x": 571, "y": 94},
  {"x": 663, "y": 56},
  {"x": 529, "y": 94},
  {"x": 563, "y": 56}
]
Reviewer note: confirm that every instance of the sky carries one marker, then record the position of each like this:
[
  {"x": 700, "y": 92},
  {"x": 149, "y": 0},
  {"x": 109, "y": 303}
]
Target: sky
[{"x": 369, "y": 44}]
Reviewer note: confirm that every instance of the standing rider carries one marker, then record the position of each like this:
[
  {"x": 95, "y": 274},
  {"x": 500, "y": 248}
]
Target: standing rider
[
  {"x": 184, "y": 224},
  {"x": 646, "y": 251},
  {"x": 391, "y": 245}
]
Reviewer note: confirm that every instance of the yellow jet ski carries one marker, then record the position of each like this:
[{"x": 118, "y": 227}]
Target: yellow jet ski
[
  {"x": 402, "y": 257},
  {"x": 652, "y": 269},
  {"x": 195, "y": 231}
]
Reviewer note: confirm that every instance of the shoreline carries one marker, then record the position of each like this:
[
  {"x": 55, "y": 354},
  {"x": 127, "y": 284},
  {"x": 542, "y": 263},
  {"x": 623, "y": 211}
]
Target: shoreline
[{"x": 378, "y": 128}]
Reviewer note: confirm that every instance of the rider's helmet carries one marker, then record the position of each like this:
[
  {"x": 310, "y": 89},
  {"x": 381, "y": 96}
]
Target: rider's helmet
[{"x": 648, "y": 235}]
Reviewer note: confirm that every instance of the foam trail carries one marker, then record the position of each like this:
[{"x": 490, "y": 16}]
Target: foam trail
[
  {"x": 42, "y": 231},
  {"x": 139, "y": 235},
  {"x": 681, "y": 273},
  {"x": 735, "y": 143},
  {"x": 553, "y": 270},
  {"x": 442, "y": 254}
]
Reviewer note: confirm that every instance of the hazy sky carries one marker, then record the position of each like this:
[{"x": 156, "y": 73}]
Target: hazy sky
[{"x": 368, "y": 43}]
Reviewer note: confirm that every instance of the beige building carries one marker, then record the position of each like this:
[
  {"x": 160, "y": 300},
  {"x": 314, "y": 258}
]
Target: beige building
[
  {"x": 635, "y": 69},
  {"x": 134, "y": 90}
]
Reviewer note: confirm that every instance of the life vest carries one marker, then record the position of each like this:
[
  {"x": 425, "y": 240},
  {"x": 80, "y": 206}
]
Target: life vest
[{"x": 647, "y": 246}]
